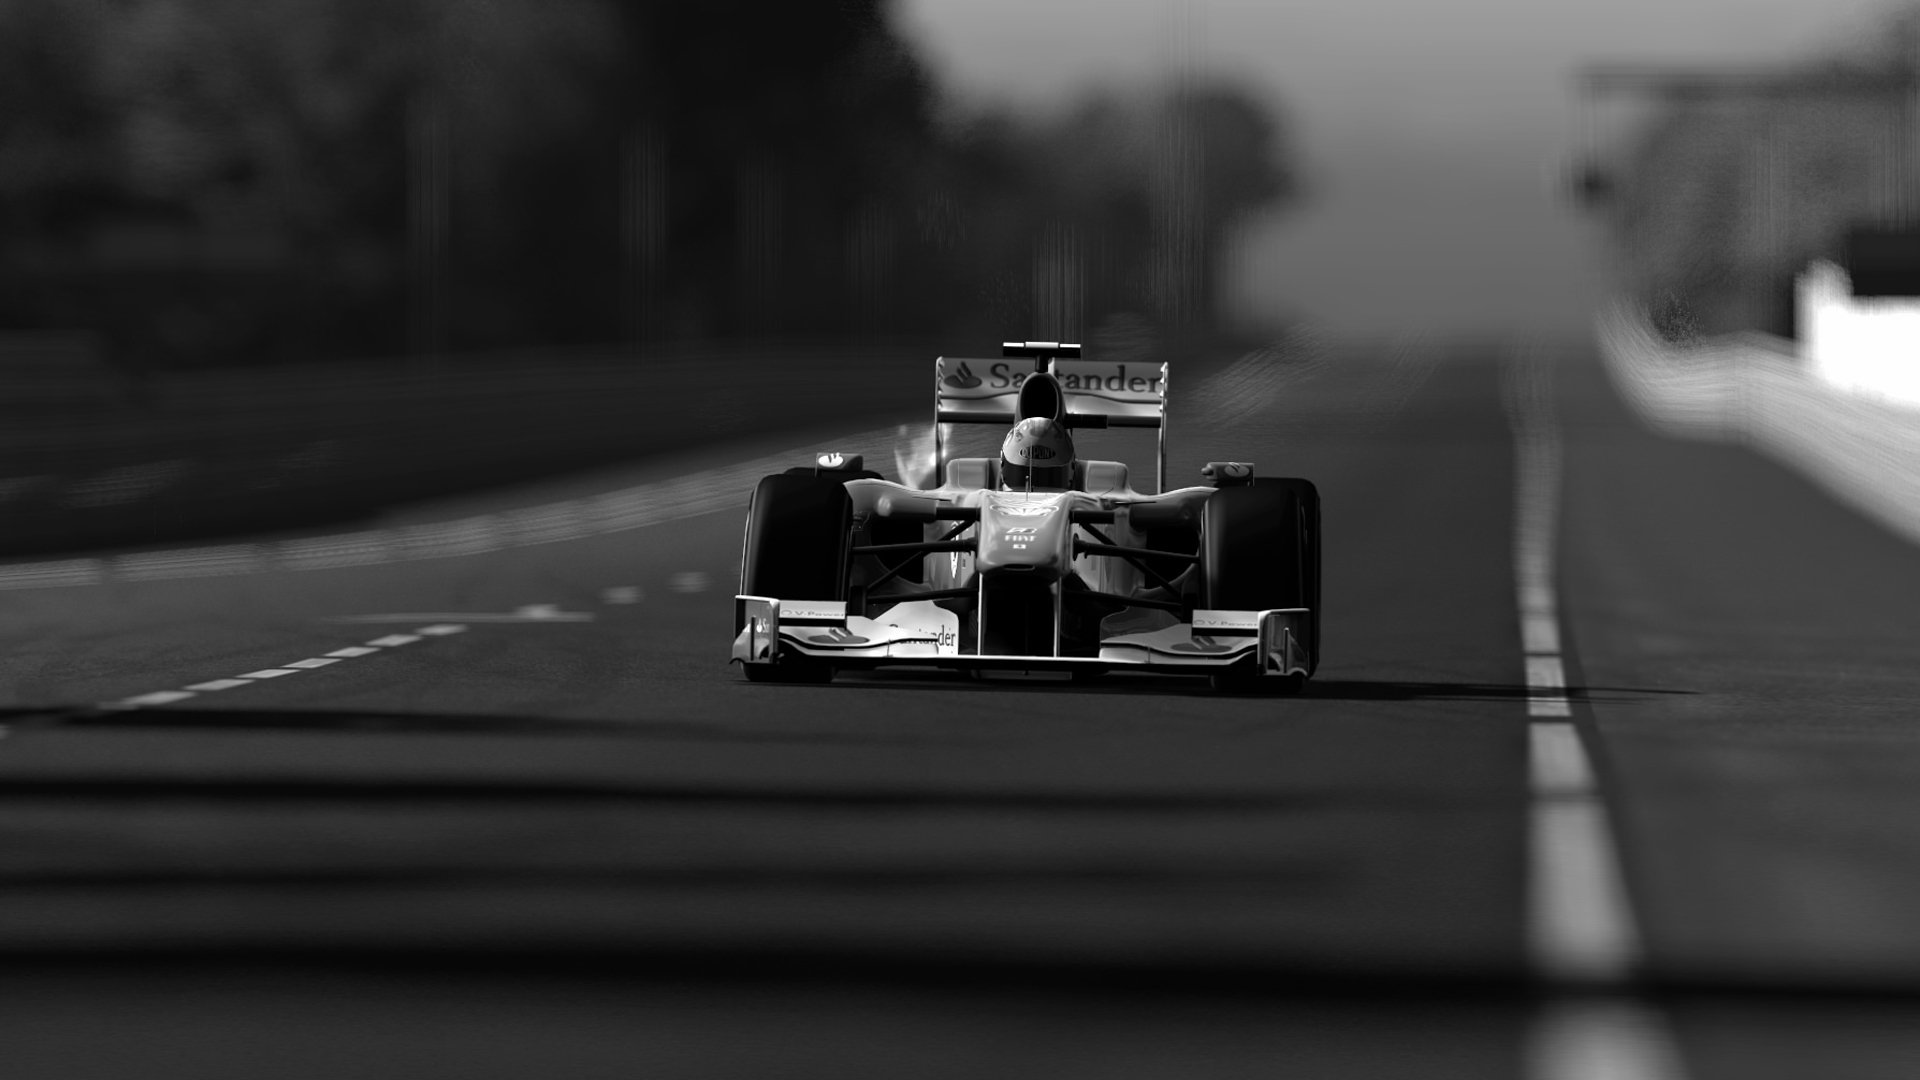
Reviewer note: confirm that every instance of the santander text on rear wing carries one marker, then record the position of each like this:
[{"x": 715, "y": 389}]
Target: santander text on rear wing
[
  {"x": 1099, "y": 393},
  {"x": 1096, "y": 393}
]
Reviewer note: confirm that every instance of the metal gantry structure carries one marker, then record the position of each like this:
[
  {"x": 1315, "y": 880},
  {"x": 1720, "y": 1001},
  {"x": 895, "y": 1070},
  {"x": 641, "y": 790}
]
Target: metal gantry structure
[
  {"x": 1888, "y": 238},
  {"x": 1680, "y": 83}
]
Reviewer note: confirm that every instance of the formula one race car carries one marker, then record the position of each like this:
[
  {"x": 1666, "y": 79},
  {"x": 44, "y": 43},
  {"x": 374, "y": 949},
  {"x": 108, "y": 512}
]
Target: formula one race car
[{"x": 1034, "y": 561}]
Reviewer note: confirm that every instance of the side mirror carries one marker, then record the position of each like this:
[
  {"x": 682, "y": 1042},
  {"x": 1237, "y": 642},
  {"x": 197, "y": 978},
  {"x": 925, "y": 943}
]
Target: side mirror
[
  {"x": 1156, "y": 515},
  {"x": 834, "y": 461},
  {"x": 1228, "y": 473}
]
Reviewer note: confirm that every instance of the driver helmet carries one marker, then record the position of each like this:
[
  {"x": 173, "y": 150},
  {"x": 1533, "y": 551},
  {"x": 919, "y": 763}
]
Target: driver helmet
[{"x": 1037, "y": 453}]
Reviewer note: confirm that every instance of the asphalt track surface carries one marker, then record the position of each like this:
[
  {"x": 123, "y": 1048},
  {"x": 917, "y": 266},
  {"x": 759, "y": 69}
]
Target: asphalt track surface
[{"x": 552, "y": 833}]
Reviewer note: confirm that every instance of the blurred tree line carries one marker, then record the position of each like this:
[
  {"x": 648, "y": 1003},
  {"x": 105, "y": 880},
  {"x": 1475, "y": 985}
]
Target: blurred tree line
[
  {"x": 1720, "y": 201},
  {"x": 221, "y": 181}
]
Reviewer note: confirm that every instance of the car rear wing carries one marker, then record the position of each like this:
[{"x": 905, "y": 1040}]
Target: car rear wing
[{"x": 1095, "y": 393}]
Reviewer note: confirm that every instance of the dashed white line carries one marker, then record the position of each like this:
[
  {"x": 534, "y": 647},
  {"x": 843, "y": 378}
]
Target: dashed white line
[
  {"x": 1581, "y": 930},
  {"x": 622, "y": 594},
  {"x": 1580, "y": 926},
  {"x": 1556, "y": 762},
  {"x": 294, "y": 667},
  {"x": 159, "y": 697},
  {"x": 1546, "y": 687},
  {"x": 690, "y": 581},
  {"x": 1602, "y": 1040},
  {"x": 529, "y": 613},
  {"x": 219, "y": 684},
  {"x": 1539, "y": 632}
]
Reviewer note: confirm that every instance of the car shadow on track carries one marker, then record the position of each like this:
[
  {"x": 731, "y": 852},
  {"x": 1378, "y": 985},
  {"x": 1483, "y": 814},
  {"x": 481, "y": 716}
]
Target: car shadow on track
[
  {"x": 1176, "y": 686},
  {"x": 951, "y": 682},
  {"x": 1395, "y": 690},
  {"x": 399, "y": 722}
]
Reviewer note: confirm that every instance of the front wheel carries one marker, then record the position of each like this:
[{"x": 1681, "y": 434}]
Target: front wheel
[
  {"x": 1260, "y": 549},
  {"x": 799, "y": 529}
]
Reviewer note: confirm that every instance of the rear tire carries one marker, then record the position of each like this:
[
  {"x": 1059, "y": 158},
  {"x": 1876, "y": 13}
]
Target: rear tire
[
  {"x": 1260, "y": 549},
  {"x": 796, "y": 547}
]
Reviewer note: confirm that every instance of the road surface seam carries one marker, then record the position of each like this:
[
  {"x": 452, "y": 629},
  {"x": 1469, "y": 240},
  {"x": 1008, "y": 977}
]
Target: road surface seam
[
  {"x": 311, "y": 663},
  {"x": 1580, "y": 926}
]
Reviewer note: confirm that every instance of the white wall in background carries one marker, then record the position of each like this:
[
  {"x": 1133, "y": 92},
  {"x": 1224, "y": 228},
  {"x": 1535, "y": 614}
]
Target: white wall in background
[{"x": 1864, "y": 345}]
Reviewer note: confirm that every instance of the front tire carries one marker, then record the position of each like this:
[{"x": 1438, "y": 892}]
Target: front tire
[
  {"x": 1260, "y": 549},
  {"x": 796, "y": 548}
]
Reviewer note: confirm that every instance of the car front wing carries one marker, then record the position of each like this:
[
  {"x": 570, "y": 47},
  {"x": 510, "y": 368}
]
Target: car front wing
[{"x": 922, "y": 632}]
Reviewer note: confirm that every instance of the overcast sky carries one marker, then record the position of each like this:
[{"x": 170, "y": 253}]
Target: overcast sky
[{"x": 1431, "y": 132}]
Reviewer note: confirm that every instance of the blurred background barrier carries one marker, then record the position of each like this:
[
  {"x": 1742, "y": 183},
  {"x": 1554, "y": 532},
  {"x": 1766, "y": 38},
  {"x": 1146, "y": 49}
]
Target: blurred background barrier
[
  {"x": 248, "y": 183},
  {"x": 185, "y": 454},
  {"x": 259, "y": 274},
  {"x": 1753, "y": 389},
  {"x": 191, "y": 455}
]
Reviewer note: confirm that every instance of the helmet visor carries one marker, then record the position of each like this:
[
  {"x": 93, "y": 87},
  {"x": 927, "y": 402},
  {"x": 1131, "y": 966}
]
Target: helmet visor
[{"x": 1044, "y": 476}]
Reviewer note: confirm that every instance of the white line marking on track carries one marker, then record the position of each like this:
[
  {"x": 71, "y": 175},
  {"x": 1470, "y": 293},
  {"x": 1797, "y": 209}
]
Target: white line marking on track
[
  {"x": 1540, "y": 632},
  {"x": 1557, "y": 765},
  {"x": 1580, "y": 924},
  {"x": 1601, "y": 1040},
  {"x": 1546, "y": 687},
  {"x": 219, "y": 684},
  {"x": 622, "y": 594},
  {"x": 158, "y": 697},
  {"x": 690, "y": 581},
  {"x": 168, "y": 697},
  {"x": 533, "y": 613},
  {"x": 1581, "y": 928}
]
